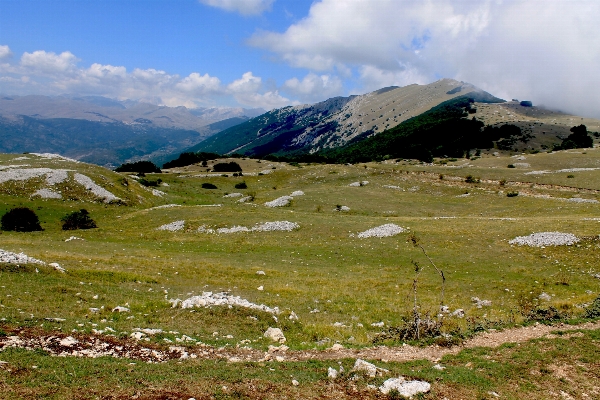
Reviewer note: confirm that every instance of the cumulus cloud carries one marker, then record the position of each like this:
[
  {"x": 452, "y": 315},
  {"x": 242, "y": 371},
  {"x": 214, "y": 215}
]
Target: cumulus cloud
[
  {"x": 49, "y": 63},
  {"x": 5, "y": 52},
  {"x": 48, "y": 73},
  {"x": 244, "y": 7},
  {"x": 313, "y": 87},
  {"x": 543, "y": 51}
]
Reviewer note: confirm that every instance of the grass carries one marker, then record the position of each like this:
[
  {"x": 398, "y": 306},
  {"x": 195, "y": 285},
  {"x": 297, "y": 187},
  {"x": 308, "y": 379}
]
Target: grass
[{"x": 320, "y": 266}]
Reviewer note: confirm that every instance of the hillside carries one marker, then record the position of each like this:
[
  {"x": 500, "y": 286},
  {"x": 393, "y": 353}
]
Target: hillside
[{"x": 334, "y": 122}]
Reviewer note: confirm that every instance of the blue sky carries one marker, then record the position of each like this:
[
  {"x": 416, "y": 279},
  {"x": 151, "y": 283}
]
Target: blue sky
[{"x": 271, "y": 53}]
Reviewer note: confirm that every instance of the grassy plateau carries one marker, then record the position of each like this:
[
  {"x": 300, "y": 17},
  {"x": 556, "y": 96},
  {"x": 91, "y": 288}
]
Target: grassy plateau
[{"x": 344, "y": 289}]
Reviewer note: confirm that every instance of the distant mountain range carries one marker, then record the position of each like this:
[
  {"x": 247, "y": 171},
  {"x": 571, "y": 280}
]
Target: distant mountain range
[
  {"x": 444, "y": 118},
  {"x": 106, "y": 131}
]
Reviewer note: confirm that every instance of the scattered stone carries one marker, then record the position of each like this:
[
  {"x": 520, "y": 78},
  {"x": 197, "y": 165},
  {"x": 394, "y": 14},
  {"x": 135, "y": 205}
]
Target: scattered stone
[
  {"x": 94, "y": 310},
  {"x": 260, "y": 273},
  {"x": 459, "y": 313},
  {"x": 545, "y": 296},
  {"x": 297, "y": 193},
  {"x": 68, "y": 341},
  {"x": 57, "y": 267},
  {"x": 481, "y": 303},
  {"x": 172, "y": 227},
  {"x": 337, "y": 347},
  {"x": 233, "y": 229},
  {"x": 275, "y": 334},
  {"x": 332, "y": 373},
  {"x": 368, "y": 368},
  {"x": 405, "y": 388},
  {"x": 378, "y": 324},
  {"x": 137, "y": 335},
  {"x": 73, "y": 238},
  {"x": 439, "y": 367},
  {"x": 295, "y": 382},
  {"x": 261, "y": 288},
  {"x": 120, "y": 309},
  {"x": 545, "y": 239},
  {"x": 234, "y": 195},
  {"x": 293, "y": 316},
  {"x": 356, "y": 184},
  {"x": 55, "y": 319}
]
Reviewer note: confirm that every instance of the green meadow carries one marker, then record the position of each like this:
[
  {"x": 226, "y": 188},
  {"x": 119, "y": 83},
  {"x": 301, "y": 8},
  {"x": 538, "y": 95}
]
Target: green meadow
[{"x": 337, "y": 283}]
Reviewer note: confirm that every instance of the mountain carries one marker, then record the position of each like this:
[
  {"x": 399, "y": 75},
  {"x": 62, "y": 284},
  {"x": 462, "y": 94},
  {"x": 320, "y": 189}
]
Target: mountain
[
  {"x": 106, "y": 131},
  {"x": 444, "y": 118},
  {"x": 334, "y": 122}
]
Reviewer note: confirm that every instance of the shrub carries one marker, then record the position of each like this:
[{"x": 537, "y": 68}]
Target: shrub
[
  {"x": 227, "y": 167},
  {"x": 208, "y": 186},
  {"x": 570, "y": 176},
  {"x": 593, "y": 310},
  {"x": 138, "y": 166},
  {"x": 512, "y": 194},
  {"x": 511, "y": 166},
  {"x": 241, "y": 185},
  {"x": 21, "y": 219},
  {"x": 147, "y": 182},
  {"x": 78, "y": 220},
  {"x": 471, "y": 179}
]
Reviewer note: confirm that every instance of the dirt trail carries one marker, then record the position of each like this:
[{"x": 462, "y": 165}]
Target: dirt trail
[{"x": 81, "y": 345}]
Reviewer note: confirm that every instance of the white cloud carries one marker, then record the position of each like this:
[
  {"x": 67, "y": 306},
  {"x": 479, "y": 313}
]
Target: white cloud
[
  {"x": 200, "y": 84},
  {"x": 314, "y": 88},
  {"x": 244, "y": 7},
  {"x": 48, "y": 62},
  {"x": 48, "y": 73},
  {"x": 5, "y": 52},
  {"x": 548, "y": 52}
]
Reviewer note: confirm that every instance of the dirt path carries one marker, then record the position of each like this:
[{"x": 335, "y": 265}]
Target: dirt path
[{"x": 80, "y": 345}]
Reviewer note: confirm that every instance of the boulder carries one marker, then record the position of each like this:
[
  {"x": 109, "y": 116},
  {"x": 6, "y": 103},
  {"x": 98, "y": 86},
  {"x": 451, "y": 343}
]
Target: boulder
[
  {"x": 368, "y": 368},
  {"x": 275, "y": 334},
  {"x": 405, "y": 388}
]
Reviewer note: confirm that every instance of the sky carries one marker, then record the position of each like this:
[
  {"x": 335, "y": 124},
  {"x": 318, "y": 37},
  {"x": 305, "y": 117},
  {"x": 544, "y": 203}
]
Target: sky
[{"x": 274, "y": 53}]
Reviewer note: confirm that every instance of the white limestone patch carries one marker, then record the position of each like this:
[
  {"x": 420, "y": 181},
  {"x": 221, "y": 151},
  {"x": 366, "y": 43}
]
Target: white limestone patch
[
  {"x": 276, "y": 226},
  {"x": 47, "y": 194},
  {"x": 172, "y": 227},
  {"x": 279, "y": 202},
  {"x": 233, "y": 229},
  {"x": 18, "y": 258},
  {"x": 522, "y": 165},
  {"x": 266, "y": 172},
  {"x": 158, "y": 193},
  {"x": 297, "y": 193},
  {"x": 581, "y": 200},
  {"x": 542, "y": 172},
  {"x": 385, "y": 230},
  {"x": 53, "y": 176},
  {"x": 52, "y": 156},
  {"x": 165, "y": 206},
  {"x": 356, "y": 184},
  {"x": 545, "y": 239},
  {"x": 209, "y": 299},
  {"x": 404, "y": 388},
  {"x": 99, "y": 191},
  {"x": 230, "y": 195}
]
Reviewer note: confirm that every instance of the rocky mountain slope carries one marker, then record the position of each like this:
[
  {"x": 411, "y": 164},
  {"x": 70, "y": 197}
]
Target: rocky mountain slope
[{"x": 334, "y": 122}]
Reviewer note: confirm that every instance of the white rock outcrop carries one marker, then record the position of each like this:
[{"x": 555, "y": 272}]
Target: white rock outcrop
[
  {"x": 275, "y": 334},
  {"x": 405, "y": 388}
]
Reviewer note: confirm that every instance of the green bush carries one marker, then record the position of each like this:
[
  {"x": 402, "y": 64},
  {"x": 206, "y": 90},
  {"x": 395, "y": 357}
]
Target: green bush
[
  {"x": 227, "y": 167},
  {"x": 21, "y": 219},
  {"x": 512, "y": 194},
  {"x": 593, "y": 310},
  {"x": 208, "y": 186},
  {"x": 147, "y": 182},
  {"x": 471, "y": 179},
  {"x": 78, "y": 220},
  {"x": 139, "y": 166},
  {"x": 241, "y": 185}
]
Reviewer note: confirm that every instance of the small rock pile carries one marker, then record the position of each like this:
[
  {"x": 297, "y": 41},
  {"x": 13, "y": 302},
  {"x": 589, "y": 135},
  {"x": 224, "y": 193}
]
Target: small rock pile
[
  {"x": 279, "y": 202},
  {"x": 540, "y": 239},
  {"x": 382, "y": 231},
  {"x": 17, "y": 258},
  {"x": 208, "y": 299}
]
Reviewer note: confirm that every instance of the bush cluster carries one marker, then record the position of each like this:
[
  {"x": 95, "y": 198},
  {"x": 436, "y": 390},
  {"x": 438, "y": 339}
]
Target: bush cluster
[
  {"x": 78, "y": 220},
  {"x": 21, "y": 219}
]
